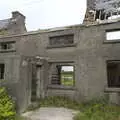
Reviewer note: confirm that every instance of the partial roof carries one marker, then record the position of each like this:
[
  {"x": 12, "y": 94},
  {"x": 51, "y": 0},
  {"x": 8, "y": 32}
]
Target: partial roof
[{"x": 4, "y": 23}]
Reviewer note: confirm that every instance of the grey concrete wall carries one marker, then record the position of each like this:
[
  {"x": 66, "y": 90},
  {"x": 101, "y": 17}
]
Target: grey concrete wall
[
  {"x": 12, "y": 75},
  {"x": 17, "y": 79},
  {"x": 89, "y": 55}
]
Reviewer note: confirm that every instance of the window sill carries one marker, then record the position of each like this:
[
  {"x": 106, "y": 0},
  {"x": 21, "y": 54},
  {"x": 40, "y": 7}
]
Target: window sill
[
  {"x": 6, "y": 51},
  {"x": 61, "y": 46},
  {"x": 111, "y": 41},
  {"x": 112, "y": 89},
  {"x": 61, "y": 87}
]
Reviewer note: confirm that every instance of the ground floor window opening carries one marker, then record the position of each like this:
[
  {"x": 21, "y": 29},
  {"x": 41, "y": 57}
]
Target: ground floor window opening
[
  {"x": 113, "y": 74},
  {"x": 2, "y": 71},
  {"x": 62, "y": 74}
]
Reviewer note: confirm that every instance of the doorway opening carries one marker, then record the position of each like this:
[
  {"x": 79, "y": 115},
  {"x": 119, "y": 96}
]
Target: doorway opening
[{"x": 36, "y": 80}]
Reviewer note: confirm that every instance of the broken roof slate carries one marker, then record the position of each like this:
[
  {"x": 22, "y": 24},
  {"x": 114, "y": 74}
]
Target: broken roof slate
[{"x": 4, "y": 23}]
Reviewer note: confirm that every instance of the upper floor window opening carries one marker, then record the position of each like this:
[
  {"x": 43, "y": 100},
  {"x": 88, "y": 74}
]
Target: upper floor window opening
[
  {"x": 113, "y": 35},
  {"x": 6, "y": 46},
  {"x": 61, "y": 40}
]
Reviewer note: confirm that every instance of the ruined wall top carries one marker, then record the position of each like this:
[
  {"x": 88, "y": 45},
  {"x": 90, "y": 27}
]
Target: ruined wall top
[
  {"x": 108, "y": 5},
  {"x": 91, "y": 4},
  {"x": 101, "y": 10}
]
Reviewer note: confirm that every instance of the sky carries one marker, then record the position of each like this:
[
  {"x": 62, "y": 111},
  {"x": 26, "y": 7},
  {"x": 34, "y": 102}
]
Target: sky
[
  {"x": 44, "y": 14},
  {"x": 68, "y": 68},
  {"x": 114, "y": 35}
]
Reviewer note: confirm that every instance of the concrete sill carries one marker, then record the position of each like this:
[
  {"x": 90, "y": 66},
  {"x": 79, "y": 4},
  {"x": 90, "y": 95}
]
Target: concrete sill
[
  {"x": 61, "y": 46},
  {"x": 6, "y": 51},
  {"x": 111, "y": 41},
  {"x": 112, "y": 89},
  {"x": 61, "y": 87}
]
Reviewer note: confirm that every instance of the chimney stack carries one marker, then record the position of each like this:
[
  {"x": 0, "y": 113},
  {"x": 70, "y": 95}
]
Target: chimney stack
[
  {"x": 89, "y": 16},
  {"x": 17, "y": 23},
  {"x": 16, "y": 14}
]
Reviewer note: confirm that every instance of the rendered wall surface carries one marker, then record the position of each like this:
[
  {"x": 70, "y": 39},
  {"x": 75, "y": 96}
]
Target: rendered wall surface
[{"x": 89, "y": 56}]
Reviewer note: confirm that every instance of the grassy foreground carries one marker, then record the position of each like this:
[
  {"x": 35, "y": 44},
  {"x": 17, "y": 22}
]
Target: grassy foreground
[
  {"x": 19, "y": 118},
  {"x": 92, "y": 110},
  {"x": 98, "y": 111}
]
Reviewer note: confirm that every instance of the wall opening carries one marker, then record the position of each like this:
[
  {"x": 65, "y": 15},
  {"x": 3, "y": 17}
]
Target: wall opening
[
  {"x": 67, "y": 75},
  {"x": 100, "y": 14},
  {"x": 113, "y": 74},
  {"x": 61, "y": 40},
  {"x": 113, "y": 35},
  {"x": 62, "y": 75},
  {"x": 2, "y": 71},
  {"x": 7, "y": 46}
]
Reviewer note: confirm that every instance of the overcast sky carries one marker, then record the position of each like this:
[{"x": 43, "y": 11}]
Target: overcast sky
[{"x": 42, "y": 14}]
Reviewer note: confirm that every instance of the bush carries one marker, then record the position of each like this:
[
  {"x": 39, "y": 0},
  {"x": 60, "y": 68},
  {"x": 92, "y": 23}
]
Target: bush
[{"x": 7, "y": 106}]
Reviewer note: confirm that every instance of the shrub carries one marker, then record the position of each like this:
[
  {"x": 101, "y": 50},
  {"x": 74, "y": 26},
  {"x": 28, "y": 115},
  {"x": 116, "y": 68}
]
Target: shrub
[{"x": 7, "y": 106}]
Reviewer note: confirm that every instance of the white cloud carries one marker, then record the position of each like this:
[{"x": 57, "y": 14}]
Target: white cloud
[{"x": 46, "y": 13}]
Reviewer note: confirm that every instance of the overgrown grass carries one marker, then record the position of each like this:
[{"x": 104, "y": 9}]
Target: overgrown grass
[
  {"x": 55, "y": 102},
  {"x": 96, "y": 109},
  {"x": 59, "y": 102},
  {"x": 17, "y": 117}
]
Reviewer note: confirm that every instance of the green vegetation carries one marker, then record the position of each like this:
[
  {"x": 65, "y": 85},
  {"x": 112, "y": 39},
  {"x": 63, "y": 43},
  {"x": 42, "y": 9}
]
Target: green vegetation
[
  {"x": 59, "y": 102},
  {"x": 17, "y": 117},
  {"x": 3, "y": 32},
  {"x": 96, "y": 109},
  {"x": 7, "y": 106},
  {"x": 99, "y": 112},
  {"x": 67, "y": 78},
  {"x": 68, "y": 82},
  {"x": 55, "y": 102}
]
